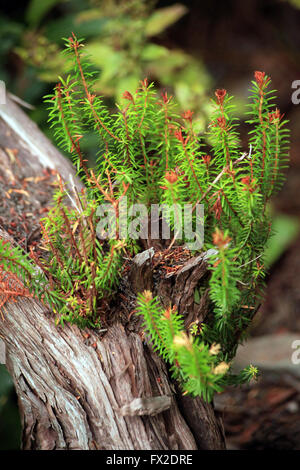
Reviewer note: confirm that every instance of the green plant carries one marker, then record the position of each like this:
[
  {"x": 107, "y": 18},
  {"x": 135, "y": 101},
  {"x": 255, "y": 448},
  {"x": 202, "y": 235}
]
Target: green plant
[
  {"x": 149, "y": 154},
  {"x": 197, "y": 366}
]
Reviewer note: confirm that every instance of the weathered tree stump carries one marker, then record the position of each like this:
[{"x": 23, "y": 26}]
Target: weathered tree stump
[{"x": 89, "y": 389}]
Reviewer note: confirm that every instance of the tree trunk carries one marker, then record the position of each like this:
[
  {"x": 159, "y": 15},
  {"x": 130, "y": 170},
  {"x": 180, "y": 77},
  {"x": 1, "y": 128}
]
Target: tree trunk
[{"x": 91, "y": 389}]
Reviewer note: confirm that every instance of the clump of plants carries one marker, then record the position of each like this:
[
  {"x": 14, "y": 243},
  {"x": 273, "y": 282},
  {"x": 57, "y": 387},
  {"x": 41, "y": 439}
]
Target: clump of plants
[{"x": 151, "y": 155}]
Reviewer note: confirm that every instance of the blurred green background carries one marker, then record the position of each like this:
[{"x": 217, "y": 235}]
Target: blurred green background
[{"x": 188, "y": 48}]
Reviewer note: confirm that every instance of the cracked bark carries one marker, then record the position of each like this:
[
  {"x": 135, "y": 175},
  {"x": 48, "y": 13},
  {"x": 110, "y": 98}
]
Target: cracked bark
[{"x": 70, "y": 383}]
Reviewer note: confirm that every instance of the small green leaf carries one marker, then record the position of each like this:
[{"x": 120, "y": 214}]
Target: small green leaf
[
  {"x": 162, "y": 18},
  {"x": 286, "y": 229},
  {"x": 197, "y": 296},
  {"x": 36, "y": 10},
  {"x": 154, "y": 52}
]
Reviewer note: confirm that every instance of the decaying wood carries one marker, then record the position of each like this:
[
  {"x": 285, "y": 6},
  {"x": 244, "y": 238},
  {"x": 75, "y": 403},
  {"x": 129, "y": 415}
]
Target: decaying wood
[
  {"x": 149, "y": 406},
  {"x": 85, "y": 389},
  {"x": 35, "y": 150}
]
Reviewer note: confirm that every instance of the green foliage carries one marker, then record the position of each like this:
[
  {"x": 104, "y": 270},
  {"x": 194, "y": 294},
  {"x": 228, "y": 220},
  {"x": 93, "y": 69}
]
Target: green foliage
[
  {"x": 124, "y": 39},
  {"x": 224, "y": 290},
  {"x": 121, "y": 40},
  {"x": 285, "y": 229},
  {"x": 199, "y": 368},
  {"x": 150, "y": 154},
  {"x": 81, "y": 274},
  {"x": 37, "y": 10},
  {"x": 192, "y": 362},
  {"x": 15, "y": 261}
]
